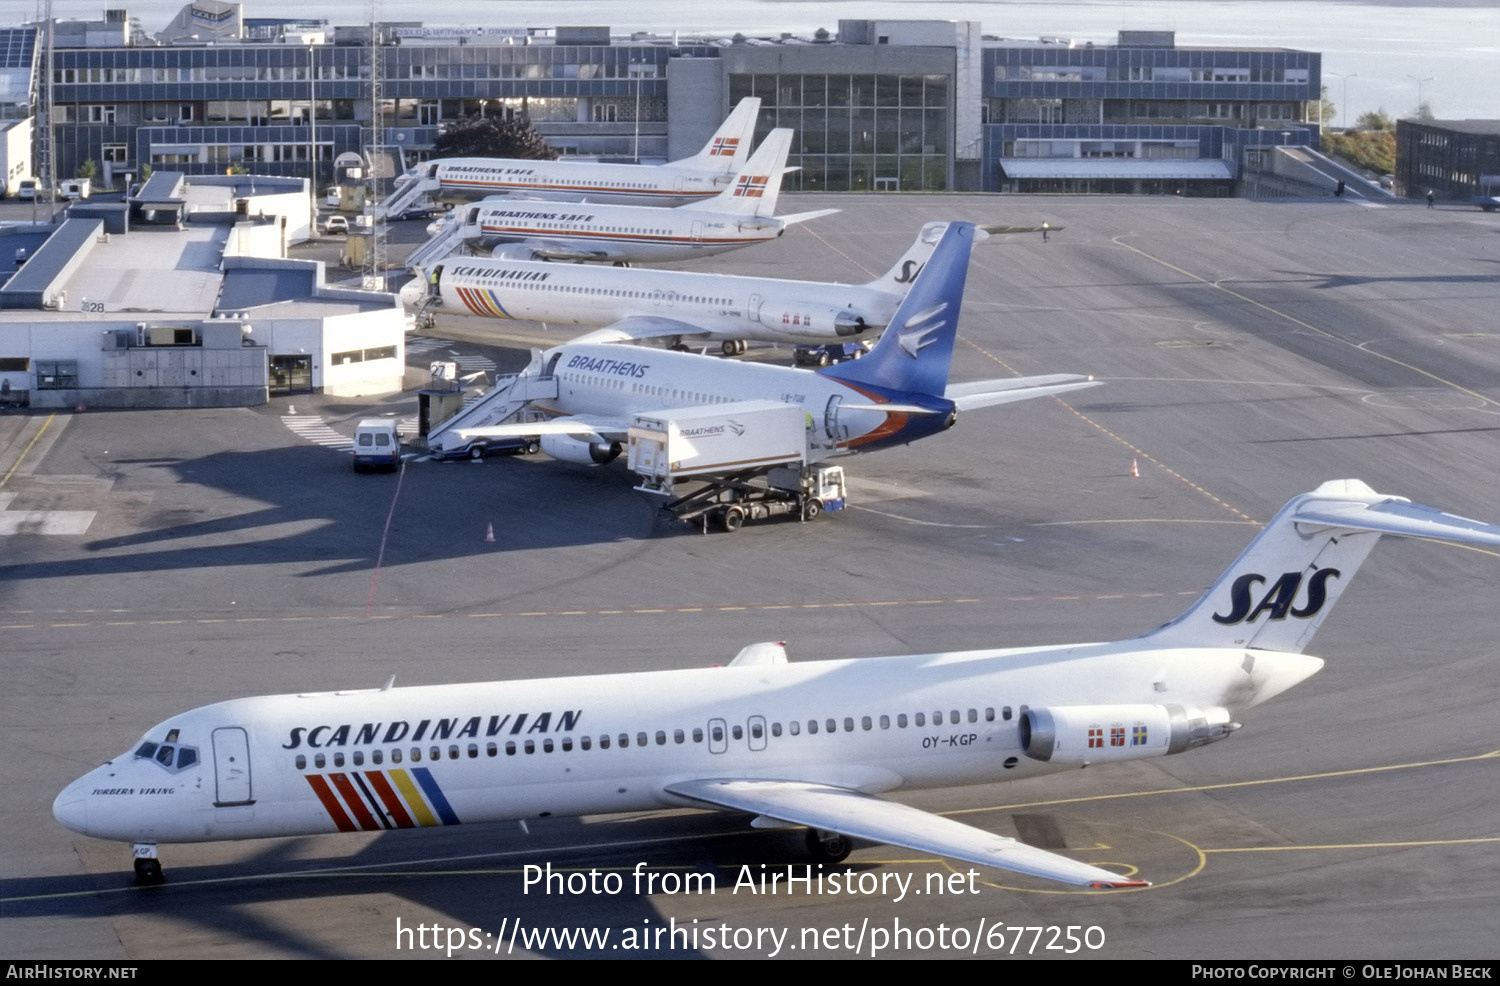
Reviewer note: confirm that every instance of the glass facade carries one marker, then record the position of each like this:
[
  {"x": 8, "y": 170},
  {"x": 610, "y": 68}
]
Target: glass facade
[
  {"x": 1147, "y": 101},
  {"x": 202, "y": 109},
  {"x": 931, "y": 106},
  {"x": 857, "y": 133}
]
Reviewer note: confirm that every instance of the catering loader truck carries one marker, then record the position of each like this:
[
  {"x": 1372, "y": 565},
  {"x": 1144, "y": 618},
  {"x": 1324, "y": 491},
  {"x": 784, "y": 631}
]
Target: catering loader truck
[{"x": 750, "y": 458}]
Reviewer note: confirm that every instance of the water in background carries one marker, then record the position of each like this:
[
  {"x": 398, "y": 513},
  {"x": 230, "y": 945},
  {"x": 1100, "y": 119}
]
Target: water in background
[{"x": 1383, "y": 53}]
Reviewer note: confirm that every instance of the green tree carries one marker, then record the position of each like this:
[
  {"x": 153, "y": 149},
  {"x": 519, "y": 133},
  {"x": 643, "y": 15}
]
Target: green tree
[
  {"x": 1424, "y": 112},
  {"x": 1326, "y": 110},
  {"x": 1374, "y": 120},
  {"x": 476, "y": 136},
  {"x": 88, "y": 169}
]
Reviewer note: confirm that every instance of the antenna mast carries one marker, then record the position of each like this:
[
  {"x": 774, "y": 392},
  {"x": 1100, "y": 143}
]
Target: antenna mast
[{"x": 373, "y": 277}]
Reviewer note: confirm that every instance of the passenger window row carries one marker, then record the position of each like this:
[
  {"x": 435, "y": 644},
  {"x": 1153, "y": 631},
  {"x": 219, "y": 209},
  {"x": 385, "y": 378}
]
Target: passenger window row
[{"x": 716, "y": 735}]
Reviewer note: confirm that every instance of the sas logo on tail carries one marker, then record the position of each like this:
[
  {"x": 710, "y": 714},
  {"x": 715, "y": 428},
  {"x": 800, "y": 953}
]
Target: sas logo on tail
[
  {"x": 1278, "y": 600},
  {"x": 751, "y": 186},
  {"x": 724, "y": 147}
]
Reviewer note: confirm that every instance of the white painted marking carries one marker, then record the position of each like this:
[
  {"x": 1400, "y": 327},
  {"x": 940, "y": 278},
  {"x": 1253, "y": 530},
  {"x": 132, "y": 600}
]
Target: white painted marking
[
  {"x": 45, "y": 522},
  {"x": 311, "y": 428}
]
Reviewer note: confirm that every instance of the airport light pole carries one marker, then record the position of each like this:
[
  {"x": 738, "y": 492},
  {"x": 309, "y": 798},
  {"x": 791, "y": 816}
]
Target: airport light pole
[
  {"x": 312, "y": 139},
  {"x": 1420, "y": 83},
  {"x": 1344, "y": 103}
]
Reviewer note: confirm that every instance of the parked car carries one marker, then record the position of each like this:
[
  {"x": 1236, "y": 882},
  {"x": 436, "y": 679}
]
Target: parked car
[
  {"x": 481, "y": 447},
  {"x": 420, "y": 212},
  {"x": 336, "y": 224},
  {"x": 835, "y": 352}
]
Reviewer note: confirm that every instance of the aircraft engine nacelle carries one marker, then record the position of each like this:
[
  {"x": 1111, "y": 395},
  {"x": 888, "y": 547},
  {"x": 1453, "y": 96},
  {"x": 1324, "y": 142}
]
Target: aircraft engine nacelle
[
  {"x": 847, "y": 323},
  {"x": 566, "y": 448},
  {"x": 1085, "y": 734},
  {"x": 829, "y": 323}
]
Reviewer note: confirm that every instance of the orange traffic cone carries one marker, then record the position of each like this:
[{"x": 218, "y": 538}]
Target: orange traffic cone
[
  {"x": 1135, "y": 469},
  {"x": 489, "y": 533}
]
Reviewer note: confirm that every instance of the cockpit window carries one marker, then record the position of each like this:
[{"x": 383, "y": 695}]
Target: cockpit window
[{"x": 173, "y": 758}]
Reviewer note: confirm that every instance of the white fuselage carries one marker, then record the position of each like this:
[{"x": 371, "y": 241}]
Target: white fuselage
[
  {"x": 570, "y": 181},
  {"x": 431, "y": 755},
  {"x": 618, "y": 233},
  {"x": 718, "y": 306},
  {"x": 617, "y": 382}
]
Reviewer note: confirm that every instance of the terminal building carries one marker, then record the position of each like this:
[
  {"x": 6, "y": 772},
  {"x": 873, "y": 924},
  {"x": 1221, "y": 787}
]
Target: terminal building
[
  {"x": 183, "y": 296},
  {"x": 876, "y": 105},
  {"x": 1454, "y": 159}
]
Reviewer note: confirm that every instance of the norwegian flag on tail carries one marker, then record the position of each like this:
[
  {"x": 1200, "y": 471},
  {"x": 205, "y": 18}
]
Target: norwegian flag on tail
[{"x": 751, "y": 186}]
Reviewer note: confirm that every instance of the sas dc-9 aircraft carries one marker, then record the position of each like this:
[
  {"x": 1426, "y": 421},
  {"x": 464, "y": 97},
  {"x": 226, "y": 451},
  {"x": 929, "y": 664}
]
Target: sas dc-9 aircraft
[
  {"x": 896, "y": 394},
  {"x": 692, "y": 179},
  {"x": 813, "y": 744},
  {"x": 739, "y": 216},
  {"x": 672, "y": 306}
]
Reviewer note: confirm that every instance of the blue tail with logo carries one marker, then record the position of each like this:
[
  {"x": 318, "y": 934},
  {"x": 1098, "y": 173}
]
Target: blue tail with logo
[
  {"x": 1279, "y": 590},
  {"x": 916, "y": 350}
]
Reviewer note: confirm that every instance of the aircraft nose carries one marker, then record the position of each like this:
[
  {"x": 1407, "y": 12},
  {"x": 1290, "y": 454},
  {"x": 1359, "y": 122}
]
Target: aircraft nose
[
  {"x": 412, "y": 293},
  {"x": 71, "y": 806}
]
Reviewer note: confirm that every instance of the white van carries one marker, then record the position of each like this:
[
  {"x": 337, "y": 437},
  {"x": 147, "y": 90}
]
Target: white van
[{"x": 377, "y": 445}]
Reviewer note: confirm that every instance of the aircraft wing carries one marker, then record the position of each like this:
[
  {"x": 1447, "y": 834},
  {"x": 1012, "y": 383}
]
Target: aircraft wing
[
  {"x": 1021, "y": 229},
  {"x": 548, "y": 250},
  {"x": 865, "y": 816},
  {"x": 581, "y": 425},
  {"x": 636, "y": 327},
  {"x": 983, "y": 393}
]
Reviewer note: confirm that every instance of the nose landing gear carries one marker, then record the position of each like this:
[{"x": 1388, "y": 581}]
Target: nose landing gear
[{"x": 147, "y": 866}]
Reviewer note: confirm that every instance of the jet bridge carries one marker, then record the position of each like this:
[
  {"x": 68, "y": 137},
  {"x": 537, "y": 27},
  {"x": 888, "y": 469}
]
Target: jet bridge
[{"x": 511, "y": 395}]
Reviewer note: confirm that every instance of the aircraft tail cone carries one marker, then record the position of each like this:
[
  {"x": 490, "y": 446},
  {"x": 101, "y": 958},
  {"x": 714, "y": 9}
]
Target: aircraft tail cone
[
  {"x": 489, "y": 533},
  {"x": 1135, "y": 469}
]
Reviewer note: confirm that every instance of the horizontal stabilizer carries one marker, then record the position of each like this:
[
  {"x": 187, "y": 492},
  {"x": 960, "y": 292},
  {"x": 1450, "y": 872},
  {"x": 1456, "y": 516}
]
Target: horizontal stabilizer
[
  {"x": 1284, "y": 584},
  {"x": 892, "y": 408},
  {"x": 985, "y": 393},
  {"x": 864, "y": 816},
  {"x": 1394, "y": 515},
  {"x": 802, "y": 217}
]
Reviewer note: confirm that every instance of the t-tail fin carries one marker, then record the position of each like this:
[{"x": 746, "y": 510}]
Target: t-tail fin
[
  {"x": 906, "y": 268},
  {"x": 753, "y": 191},
  {"x": 727, "y": 149},
  {"x": 1276, "y": 594},
  {"x": 916, "y": 349}
]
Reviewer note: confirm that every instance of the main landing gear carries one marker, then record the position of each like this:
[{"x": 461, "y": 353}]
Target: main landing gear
[
  {"x": 828, "y": 847},
  {"x": 147, "y": 866},
  {"x": 733, "y": 347}
]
